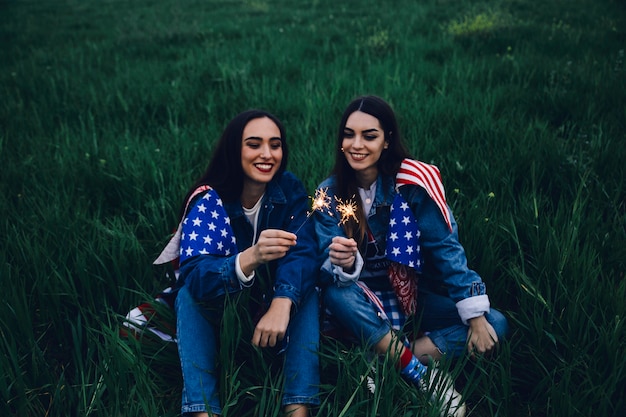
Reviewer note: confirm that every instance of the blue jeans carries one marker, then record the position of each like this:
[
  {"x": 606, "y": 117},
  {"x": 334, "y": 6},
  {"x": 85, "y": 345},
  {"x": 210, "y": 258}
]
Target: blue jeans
[
  {"x": 198, "y": 352},
  {"x": 439, "y": 317}
]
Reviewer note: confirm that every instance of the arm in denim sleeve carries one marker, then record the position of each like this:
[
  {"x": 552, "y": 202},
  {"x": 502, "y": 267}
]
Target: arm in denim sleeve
[
  {"x": 444, "y": 256},
  {"x": 296, "y": 272},
  {"x": 208, "y": 276}
]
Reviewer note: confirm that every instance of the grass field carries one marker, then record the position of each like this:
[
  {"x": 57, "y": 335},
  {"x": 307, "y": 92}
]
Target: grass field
[{"x": 109, "y": 110}]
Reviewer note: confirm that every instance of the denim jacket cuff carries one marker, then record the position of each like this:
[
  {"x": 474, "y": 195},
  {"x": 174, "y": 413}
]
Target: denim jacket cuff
[
  {"x": 473, "y": 307},
  {"x": 287, "y": 291},
  {"x": 342, "y": 278}
]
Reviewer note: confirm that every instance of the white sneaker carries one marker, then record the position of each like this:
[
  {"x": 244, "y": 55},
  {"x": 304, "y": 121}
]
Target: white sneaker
[
  {"x": 440, "y": 387},
  {"x": 370, "y": 384}
]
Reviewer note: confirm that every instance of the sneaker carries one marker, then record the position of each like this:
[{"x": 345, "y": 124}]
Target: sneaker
[
  {"x": 369, "y": 381},
  {"x": 440, "y": 387},
  {"x": 371, "y": 385}
]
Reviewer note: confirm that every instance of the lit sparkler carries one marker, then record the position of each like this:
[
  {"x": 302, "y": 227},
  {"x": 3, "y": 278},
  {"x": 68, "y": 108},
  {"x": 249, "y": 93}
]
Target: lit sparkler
[
  {"x": 321, "y": 201},
  {"x": 347, "y": 210}
]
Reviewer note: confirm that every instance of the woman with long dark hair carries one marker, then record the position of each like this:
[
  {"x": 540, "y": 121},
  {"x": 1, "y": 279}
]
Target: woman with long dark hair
[
  {"x": 236, "y": 245},
  {"x": 389, "y": 225}
]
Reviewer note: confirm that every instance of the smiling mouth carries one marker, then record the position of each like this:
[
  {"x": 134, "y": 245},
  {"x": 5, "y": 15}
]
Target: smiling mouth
[
  {"x": 358, "y": 156},
  {"x": 264, "y": 167}
]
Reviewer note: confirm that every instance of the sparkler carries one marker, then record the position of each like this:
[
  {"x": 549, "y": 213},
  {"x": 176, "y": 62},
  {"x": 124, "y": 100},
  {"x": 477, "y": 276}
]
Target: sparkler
[
  {"x": 347, "y": 210},
  {"x": 321, "y": 201}
]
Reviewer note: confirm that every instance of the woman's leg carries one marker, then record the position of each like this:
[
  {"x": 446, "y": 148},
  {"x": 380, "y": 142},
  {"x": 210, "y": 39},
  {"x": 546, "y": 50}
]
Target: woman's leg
[
  {"x": 297, "y": 410},
  {"x": 301, "y": 368},
  {"x": 351, "y": 308},
  {"x": 445, "y": 332},
  {"x": 197, "y": 349}
]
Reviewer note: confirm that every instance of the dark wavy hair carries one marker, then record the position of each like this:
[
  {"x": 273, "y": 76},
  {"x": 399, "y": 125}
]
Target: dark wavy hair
[
  {"x": 225, "y": 173},
  {"x": 388, "y": 164}
]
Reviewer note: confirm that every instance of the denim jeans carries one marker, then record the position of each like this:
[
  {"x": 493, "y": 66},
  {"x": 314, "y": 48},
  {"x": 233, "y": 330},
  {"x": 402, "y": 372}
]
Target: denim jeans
[
  {"x": 198, "y": 352},
  {"x": 439, "y": 318}
]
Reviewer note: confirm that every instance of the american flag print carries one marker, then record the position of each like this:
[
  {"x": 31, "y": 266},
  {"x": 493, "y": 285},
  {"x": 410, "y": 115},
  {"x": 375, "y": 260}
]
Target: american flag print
[
  {"x": 403, "y": 235},
  {"x": 206, "y": 229},
  {"x": 428, "y": 177}
]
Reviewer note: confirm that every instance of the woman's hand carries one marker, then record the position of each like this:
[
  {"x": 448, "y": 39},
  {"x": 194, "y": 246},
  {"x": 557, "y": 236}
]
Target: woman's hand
[
  {"x": 272, "y": 327},
  {"x": 481, "y": 337},
  {"x": 272, "y": 244},
  {"x": 343, "y": 252}
]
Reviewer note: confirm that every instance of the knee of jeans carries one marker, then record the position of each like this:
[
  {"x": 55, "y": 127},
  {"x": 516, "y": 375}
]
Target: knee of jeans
[
  {"x": 182, "y": 297},
  {"x": 334, "y": 294},
  {"x": 310, "y": 300}
]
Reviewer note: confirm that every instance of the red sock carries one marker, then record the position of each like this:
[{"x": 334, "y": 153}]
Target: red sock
[{"x": 405, "y": 357}]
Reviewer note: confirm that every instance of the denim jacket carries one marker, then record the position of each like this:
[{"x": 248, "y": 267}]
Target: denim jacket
[
  {"x": 445, "y": 264},
  {"x": 284, "y": 206}
]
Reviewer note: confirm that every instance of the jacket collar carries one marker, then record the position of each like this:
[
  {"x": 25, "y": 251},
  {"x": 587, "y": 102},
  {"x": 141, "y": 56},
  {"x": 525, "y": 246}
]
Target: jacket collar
[
  {"x": 385, "y": 191},
  {"x": 274, "y": 194}
]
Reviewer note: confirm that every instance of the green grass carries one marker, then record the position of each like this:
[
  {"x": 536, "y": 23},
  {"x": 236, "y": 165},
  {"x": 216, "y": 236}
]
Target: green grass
[{"x": 110, "y": 109}]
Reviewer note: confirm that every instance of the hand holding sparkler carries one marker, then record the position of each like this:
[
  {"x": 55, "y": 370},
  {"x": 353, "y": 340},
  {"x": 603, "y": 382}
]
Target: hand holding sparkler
[{"x": 342, "y": 252}]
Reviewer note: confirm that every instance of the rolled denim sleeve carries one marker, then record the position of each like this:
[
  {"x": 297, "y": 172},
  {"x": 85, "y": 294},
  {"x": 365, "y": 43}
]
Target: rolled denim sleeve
[
  {"x": 341, "y": 277},
  {"x": 445, "y": 259}
]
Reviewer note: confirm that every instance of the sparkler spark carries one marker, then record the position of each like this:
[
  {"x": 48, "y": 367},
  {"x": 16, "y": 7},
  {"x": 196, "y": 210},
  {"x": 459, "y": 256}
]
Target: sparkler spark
[
  {"x": 347, "y": 210},
  {"x": 320, "y": 201}
]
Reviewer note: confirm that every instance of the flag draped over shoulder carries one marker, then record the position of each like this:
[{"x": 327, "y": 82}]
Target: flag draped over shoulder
[
  {"x": 211, "y": 232},
  {"x": 403, "y": 244},
  {"x": 427, "y": 176},
  {"x": 205, "y": 230},
  {"x": 403, "y": 235},
  {"x": 404, "y": 252}
]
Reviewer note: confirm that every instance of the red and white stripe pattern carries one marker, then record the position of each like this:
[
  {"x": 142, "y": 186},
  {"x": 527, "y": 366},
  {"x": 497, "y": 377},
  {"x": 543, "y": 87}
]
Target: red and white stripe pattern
[
  {"x": 146, "y": 317},
  {"x": 374, "y": 299},
  {"x": 427, "y": 176}
]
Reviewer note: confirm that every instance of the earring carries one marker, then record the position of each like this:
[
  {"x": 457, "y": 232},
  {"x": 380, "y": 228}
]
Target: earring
[{"x": 342, "y": 149}]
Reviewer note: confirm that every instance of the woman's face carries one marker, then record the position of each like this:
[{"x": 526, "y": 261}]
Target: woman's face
[
  {"x": 363, "y": 143},
  {"x": 261, "y": 150}
]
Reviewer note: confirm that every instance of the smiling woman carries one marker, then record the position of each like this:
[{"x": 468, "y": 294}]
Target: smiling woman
[
  {"x": 363, "y": 143},
  {"x": 402, "y": 229},
  {"x": 261, "y": 157},
  {"x": 236, "y": 219}
]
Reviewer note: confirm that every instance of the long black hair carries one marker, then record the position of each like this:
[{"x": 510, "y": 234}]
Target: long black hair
[
  {"x": 225, "y": 173},
  {"x": 388, "y": 163}
]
